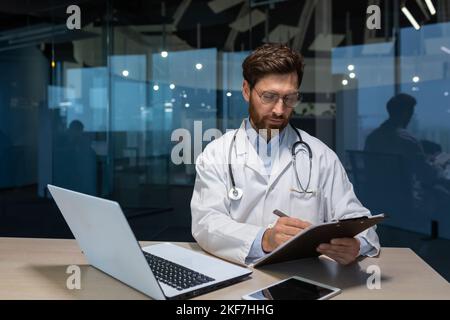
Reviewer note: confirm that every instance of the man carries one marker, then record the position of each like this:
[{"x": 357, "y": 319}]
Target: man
[
  {"x": 392, "y": 136},
  {"x": 430, "y": 189},
  {"x": 244, "y": 228}
]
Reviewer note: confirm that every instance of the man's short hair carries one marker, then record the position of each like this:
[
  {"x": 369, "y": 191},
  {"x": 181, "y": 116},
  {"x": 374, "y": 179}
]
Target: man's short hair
[
  {"x": 400, "y": 104},
  {"x": 272, "y": 58}
]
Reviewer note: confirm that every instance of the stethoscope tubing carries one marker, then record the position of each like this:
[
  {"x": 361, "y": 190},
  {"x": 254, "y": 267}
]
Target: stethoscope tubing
[{"x": 236, "y": 193}]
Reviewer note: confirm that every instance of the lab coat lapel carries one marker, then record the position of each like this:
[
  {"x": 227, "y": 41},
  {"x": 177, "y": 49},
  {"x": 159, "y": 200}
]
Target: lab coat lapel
[
  {"x": 247, "y": 154},
  {"x": 284, "y": 158}
]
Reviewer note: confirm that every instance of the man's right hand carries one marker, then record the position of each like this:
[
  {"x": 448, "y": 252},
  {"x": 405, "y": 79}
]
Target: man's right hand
[{"x": 284, "y": 229}]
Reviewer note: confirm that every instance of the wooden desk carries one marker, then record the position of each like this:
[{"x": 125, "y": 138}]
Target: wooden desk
[{"x": 36, "y": 269}]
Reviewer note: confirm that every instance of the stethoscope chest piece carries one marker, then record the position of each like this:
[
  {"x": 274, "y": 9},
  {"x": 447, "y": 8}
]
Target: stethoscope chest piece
[{"x": 235, "y": 193}]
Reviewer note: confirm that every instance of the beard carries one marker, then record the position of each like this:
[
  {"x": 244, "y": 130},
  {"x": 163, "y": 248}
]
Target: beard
[{"x": 268, "y": 123}]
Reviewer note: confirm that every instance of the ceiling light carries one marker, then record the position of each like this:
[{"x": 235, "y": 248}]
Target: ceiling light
[
  {"x": 445, "y": 49},
  {"x": 410, "y": 18},
  {"x": 431, "y": 7}
]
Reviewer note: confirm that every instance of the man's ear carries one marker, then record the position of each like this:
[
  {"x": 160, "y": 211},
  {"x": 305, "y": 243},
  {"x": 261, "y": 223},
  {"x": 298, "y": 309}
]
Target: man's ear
[{"x": 246, "y": 90}]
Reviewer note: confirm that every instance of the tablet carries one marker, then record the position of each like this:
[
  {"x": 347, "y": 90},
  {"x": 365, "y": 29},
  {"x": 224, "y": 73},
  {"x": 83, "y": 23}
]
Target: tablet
[
  {"x": 295, "y": 288},
  {"x": 304, "y": 244}
]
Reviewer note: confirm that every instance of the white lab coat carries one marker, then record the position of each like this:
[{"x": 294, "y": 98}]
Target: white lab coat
[{"x": 227, "y": 228}]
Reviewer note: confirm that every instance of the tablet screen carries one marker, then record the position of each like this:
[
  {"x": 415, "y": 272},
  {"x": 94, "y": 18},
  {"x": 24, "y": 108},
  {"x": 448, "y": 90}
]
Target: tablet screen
[{"x": 292, "y": 289}]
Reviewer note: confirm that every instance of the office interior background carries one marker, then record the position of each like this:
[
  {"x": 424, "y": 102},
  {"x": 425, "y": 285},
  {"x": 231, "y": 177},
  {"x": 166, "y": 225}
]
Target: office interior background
[{"x": 93, "y": 110}]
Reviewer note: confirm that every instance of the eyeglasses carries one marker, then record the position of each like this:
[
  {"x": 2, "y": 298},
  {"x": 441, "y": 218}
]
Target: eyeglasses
[{"x": 271, "y": 98}]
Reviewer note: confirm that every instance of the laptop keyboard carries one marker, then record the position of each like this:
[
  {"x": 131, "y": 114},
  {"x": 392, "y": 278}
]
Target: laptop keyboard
[{"x": 173, "y": 274}]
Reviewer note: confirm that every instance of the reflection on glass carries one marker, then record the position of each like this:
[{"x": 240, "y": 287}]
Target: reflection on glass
[{"x": 396, "y": 135}]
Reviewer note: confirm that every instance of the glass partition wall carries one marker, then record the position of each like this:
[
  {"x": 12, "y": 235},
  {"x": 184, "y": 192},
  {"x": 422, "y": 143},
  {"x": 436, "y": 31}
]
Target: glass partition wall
[{"x": 121, "y": 107}]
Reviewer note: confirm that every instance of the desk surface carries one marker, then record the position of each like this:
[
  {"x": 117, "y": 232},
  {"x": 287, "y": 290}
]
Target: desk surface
[{"x": 36, "y": 269}]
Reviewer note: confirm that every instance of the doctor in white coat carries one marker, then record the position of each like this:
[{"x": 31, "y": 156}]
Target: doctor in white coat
[{"x": 242, "y": 227}]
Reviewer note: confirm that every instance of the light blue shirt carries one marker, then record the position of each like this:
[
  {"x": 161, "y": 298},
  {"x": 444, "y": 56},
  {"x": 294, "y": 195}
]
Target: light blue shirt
[{"x": 267, "y": 152}]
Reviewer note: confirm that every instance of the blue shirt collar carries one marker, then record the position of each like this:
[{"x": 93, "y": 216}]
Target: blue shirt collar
[{"x": 253, "y": 135}]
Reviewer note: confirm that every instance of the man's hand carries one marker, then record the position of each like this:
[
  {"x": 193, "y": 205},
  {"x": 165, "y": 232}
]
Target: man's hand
[
  {"x": 284, "y": 229},
  {"x": 343, "y": 250}
]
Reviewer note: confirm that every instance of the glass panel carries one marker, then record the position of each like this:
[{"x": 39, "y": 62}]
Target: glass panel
[{"x": 104, "y": 110}]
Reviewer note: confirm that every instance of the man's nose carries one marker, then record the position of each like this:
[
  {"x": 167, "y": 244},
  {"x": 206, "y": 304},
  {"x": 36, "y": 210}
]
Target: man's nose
[{"x": 278, "y": 108}]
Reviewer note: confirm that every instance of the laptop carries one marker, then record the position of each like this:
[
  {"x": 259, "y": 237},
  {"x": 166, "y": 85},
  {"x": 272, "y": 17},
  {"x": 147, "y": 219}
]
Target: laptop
[{"x": 161, "y": 271}]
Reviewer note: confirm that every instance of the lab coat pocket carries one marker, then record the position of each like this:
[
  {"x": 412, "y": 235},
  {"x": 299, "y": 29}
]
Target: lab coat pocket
[{"x": 307, "y": 206}]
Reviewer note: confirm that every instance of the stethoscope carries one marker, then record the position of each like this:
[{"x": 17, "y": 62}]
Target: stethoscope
[{"x": 236, "y": 193}]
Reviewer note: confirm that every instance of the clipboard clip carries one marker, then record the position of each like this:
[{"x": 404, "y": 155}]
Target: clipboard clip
[
  {"x": 350, "y": 219},
  {"x": 362, "y": 218}
]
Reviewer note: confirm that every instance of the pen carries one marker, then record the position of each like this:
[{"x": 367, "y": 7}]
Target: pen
[{"x": 280, "y": 214}]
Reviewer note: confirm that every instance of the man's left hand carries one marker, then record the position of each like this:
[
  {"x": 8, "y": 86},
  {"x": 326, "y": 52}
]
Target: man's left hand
[{"x": 342, "y": 250}]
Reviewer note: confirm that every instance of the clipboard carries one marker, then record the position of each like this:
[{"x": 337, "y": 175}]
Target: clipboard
[{"x": 304, "y": 244}]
